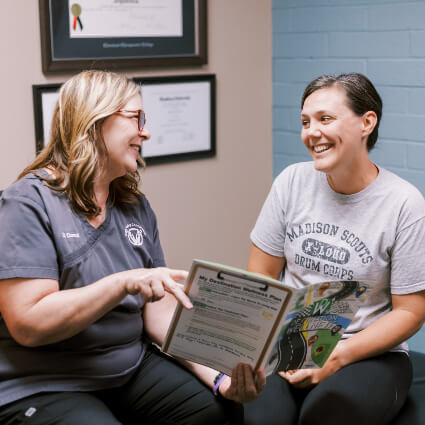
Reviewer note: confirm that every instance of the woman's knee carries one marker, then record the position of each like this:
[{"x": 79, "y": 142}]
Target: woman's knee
[
  {"x": 328, "y": 407},
  {"x": 333, "y": 406}
]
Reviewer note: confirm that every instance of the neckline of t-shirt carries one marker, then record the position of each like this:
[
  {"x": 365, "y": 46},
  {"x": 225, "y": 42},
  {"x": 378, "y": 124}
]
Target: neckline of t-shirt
[
  {"x": 354, "y": 197},
  {"x": 105, "y": 222}
]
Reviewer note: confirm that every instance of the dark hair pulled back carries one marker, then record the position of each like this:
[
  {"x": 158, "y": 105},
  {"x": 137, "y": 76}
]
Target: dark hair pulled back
[{"x": 361, "y": 94}]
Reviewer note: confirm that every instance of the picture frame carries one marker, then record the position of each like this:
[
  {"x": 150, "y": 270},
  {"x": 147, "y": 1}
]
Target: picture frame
[
  {"x": 112, "y": 34},
  {"x": 180, "y": 111},
  {"x": 44, "y": 97},
  {"x": 181, "y": 116}
]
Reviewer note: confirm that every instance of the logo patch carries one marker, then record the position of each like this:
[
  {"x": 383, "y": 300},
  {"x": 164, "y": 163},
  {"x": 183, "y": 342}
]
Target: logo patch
[
  {"x": 326, "y": 251},
  {"x": 135, "y": 234}
]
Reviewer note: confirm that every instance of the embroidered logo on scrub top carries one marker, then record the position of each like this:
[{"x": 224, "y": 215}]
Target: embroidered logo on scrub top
[{"x": 135, "y": 234}]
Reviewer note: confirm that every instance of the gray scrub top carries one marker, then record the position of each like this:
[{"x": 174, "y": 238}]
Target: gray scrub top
[{"x": 41, "y": 237}]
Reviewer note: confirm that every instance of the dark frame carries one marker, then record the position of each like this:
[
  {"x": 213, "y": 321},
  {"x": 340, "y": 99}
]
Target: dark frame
[
  {"x": 59, "y": 51},
  {"x": 37, "y": 97},
  {"x": 39, "y": 89}
]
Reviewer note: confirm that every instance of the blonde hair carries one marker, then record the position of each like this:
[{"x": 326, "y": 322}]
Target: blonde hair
[{"x": 76, "y": 149}]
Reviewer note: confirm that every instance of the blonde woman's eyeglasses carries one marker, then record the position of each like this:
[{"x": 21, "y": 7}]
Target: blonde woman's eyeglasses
[{"x": 139, "y": 113}]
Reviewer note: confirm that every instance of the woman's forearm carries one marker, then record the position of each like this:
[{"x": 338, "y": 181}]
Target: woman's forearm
[
  {"x": 385, "y": 333},
  {"x": 39, "y": 314},
  {"x": 58, "y": 315}
]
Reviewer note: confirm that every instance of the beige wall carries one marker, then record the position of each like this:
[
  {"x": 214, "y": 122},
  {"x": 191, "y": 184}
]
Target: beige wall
[{"x": 205, "y": 208}]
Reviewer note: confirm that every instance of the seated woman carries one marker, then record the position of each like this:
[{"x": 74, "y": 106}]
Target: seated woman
[
  {"x": 343, "y": 203},
  {"x": 81, "y": 275}
]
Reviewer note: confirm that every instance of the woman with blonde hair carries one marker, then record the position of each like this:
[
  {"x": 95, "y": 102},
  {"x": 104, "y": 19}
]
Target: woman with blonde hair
[{"x": 81, "y": 275}]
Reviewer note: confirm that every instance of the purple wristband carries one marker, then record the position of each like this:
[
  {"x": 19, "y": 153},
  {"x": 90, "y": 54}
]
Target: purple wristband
[{"x": 217, "y": 384}]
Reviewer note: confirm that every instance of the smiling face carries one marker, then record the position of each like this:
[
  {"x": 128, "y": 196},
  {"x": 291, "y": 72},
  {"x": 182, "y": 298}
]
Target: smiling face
[
  {"x": 333, "y": 134},
  {"x": 123, "y": 139}
]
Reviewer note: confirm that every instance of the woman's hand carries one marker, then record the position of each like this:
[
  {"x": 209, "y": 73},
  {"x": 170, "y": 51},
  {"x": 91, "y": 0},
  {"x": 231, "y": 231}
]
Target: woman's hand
[
  {"x": 152, "y": 284},
  {"x": 244, "y": 385},
  {"x": 305, "y": 378}
]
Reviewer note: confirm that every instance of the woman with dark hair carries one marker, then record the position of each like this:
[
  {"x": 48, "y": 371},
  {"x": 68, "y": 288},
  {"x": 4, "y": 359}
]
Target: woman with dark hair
[
  {"x": 82, "y": 274},
  {"x": 345, "y": 203}
]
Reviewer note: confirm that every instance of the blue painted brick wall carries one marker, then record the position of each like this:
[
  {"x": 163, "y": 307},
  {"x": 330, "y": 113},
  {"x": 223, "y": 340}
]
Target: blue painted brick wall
[{"x": 385, "y": 40}]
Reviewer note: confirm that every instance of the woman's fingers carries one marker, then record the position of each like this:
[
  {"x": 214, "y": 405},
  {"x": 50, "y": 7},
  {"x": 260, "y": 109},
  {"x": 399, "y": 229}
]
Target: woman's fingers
[
  {"x": 249, "y": 381},
  {"x": 177, "y": 290},
  {"x": 171, "y": 285},
  {"x": 158, "y": 291},
  {"x": 245, "y": 385},
  {"x": 300, "y": 378},
  {"x": 146, "y": 292},
  {"x": 152, "y": 284},
  {"x": 240, "y": 388},
  {"x": 178, "y": 274},
  {"x": 260, "y": 380},
  {"x": 287, "y": 374},
  {"x": 235, "y": 380}
]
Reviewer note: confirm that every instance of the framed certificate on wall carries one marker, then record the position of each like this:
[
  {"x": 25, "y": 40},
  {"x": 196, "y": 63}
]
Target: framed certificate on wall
[
  {"x": 120, "y": 34},
  {"x": 180, "y": 116}
]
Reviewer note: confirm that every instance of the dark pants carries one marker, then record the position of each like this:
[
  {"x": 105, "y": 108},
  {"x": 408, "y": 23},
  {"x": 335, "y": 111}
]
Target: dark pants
[
  {"x": 161, "y": 392},
  {"x": 369, "y": 392}
]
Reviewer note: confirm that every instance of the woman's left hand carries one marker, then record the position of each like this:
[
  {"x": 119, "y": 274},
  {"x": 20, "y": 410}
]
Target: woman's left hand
[
  {"x": 244, "y": 385},
  {"x": 306, "y": 378}
]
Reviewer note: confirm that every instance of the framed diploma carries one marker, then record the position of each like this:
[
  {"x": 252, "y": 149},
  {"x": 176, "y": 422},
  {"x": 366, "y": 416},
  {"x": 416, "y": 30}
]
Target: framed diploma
[
  {"x": 180, "y": 115},
  {"x": 119, "y": 34}
]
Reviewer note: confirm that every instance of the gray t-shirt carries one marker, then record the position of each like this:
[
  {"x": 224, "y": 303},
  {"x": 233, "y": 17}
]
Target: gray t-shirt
[
  {"x": 41, "y": 237},
  {"x": 377, "y": 234}
]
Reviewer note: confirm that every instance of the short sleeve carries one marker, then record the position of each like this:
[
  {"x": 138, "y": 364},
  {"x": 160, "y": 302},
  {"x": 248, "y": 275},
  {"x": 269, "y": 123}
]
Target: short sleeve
[
  {"x": 157, "y": 252},
  {"x": 408, "y": 260},
  {"x": 270, "y": 229},
  {"x": 26, "y": 244}
]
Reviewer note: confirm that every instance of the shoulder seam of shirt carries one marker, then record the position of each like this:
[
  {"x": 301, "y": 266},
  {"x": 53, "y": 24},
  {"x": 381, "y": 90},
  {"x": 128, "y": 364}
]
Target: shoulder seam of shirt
[
  {"x": 26, "y": 199},
  {"x": 411, "y": 224}
]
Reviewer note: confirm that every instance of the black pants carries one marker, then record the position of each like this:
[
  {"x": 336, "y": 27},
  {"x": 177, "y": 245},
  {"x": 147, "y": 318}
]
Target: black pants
[
  {"x": 161, "y": 392},
  {"x": 369, "y": 392}
]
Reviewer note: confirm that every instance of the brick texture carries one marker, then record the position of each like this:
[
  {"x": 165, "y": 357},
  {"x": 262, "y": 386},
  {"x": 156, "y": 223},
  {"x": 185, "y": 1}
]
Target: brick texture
[{"x": 385, "y": 40}]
